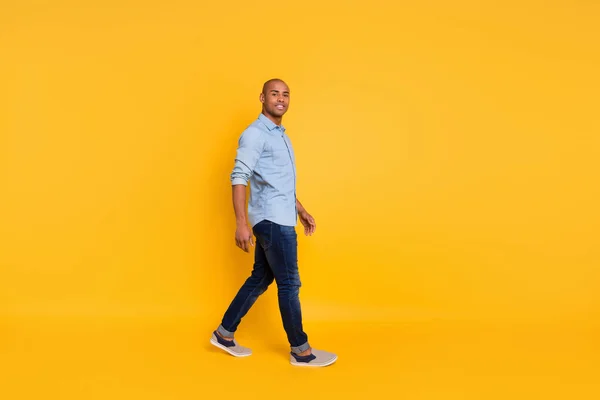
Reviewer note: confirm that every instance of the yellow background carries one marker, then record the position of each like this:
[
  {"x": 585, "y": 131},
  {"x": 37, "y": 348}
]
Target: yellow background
[{"x": 448, "y": 151}]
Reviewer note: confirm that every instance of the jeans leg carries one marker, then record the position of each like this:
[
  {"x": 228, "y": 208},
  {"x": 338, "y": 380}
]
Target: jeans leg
[
  {"x": 282, "y": 255},
  {"x": 255, "y": 285}
]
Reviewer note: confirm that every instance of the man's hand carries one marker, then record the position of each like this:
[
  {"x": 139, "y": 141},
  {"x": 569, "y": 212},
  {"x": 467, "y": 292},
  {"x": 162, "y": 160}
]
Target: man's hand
[
  {"x": 243, "y": 237},
  {"x": 308, "y": 221}
]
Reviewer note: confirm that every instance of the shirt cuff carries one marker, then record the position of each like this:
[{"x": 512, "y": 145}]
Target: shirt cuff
[{"x": 239, "y": 181}]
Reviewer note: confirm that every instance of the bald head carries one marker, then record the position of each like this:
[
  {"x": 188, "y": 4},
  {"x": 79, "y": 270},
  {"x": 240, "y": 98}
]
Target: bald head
[{"x": 269, "y": 83}]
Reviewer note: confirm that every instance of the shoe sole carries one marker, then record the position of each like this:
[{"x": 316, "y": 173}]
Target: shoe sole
[
  {"x": 297, "y": 364},
  {"x": 219, "y": 345}
]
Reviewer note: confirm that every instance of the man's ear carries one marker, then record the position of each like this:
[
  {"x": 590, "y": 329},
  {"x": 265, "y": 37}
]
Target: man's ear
[{"x": 262, "y": 97}]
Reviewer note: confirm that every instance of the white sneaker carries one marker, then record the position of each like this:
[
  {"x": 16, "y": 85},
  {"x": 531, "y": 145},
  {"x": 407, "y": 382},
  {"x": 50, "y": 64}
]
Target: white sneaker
[
  {"x": 230, "y": 346},
  {"x": 318, "y": 358}
]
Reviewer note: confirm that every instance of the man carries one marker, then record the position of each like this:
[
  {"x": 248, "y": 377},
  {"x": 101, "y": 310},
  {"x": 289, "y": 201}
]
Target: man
[{"x": 265, "y": 158}]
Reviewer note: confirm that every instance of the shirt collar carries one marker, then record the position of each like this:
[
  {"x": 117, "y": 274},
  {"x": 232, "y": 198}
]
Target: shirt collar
[{"x": 269, "y": 124}]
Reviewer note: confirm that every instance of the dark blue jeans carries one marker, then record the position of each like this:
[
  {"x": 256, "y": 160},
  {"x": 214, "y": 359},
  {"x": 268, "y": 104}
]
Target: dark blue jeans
[{"x": 275, "y": 257}]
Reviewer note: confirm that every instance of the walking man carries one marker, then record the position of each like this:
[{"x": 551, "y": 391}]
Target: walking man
[{"x": 265, "y": 159}]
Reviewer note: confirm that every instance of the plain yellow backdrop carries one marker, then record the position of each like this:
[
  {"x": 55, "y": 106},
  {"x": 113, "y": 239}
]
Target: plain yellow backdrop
[{"x": 448, "y": 151}]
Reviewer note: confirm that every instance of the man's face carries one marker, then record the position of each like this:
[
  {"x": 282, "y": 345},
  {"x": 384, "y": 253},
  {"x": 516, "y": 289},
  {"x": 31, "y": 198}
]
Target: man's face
[{"x": 276, "y": 98}]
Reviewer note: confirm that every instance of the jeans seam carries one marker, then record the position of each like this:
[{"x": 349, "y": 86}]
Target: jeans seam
[{"x": 290, "y": 289}]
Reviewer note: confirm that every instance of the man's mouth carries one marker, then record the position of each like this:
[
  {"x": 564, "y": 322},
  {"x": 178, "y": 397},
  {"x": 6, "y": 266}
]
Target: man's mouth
[{"x": 279, "y": 107}]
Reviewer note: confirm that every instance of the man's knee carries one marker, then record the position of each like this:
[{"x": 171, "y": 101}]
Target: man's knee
[
  {"x": 260, "y": 279},
  {"x": 265, "y": 283},
  {"x": 289, "y": 287}
]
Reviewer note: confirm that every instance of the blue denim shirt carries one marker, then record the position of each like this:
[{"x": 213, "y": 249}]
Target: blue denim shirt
[{"x": 265, "y": 158}]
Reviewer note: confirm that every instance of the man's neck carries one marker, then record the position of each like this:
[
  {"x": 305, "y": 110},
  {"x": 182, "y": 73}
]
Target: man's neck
[{"x": 275, "y": 120}]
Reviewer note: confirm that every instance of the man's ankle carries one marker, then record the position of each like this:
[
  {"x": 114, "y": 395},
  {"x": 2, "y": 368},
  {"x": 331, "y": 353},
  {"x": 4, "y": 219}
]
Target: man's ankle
[
  {"x": 304, "y": 353},
  {"x": 223, "y": 337}
]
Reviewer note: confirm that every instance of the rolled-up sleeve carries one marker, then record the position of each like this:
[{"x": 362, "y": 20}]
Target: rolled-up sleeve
[{"x": 250, "y": 147}]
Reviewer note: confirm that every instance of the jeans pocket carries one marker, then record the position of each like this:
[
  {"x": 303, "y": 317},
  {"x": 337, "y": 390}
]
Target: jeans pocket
[{"x": 263, "y": 232}]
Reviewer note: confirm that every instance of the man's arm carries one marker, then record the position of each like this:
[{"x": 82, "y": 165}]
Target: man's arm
[
  {"x": 243, "y": 236},
  {"x": 251, "y": 145},
  {"x": 299, "y": 206},
  {"x": 307, "y": 220}
]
